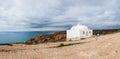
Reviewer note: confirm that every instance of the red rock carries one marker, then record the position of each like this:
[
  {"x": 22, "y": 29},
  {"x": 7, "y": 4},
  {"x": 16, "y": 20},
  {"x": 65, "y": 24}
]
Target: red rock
[{"x": 55, "y": 37}]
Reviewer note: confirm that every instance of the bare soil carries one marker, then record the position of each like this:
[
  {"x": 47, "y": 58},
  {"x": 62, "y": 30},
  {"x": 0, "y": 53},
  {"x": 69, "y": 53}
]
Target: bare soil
[{"x": 105, "y": 47}]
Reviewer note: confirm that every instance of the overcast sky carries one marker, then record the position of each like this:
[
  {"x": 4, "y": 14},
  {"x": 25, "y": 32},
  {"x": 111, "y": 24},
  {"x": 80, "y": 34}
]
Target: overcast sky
[{"x": 45, "y": 15}]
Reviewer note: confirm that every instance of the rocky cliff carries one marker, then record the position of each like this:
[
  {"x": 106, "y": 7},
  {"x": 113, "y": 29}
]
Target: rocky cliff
[{"x": 55, "y": 37}]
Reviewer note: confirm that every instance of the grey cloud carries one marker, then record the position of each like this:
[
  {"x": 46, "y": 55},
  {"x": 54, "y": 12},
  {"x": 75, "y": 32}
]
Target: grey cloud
[{"x": 59, "y": 13}]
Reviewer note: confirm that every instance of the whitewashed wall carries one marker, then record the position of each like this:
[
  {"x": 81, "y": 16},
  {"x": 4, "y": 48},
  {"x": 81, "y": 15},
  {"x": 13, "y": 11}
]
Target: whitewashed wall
[
  {"x": 73, "y": 35},
  {"x": 78, "y": 34}
]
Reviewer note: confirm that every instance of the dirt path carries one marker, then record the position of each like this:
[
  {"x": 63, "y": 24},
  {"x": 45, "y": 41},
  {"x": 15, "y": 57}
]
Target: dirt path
[{"x": 106, "y": 47}]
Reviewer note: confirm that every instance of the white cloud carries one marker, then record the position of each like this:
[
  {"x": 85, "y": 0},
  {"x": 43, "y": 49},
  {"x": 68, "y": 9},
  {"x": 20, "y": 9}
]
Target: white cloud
[
  {"x": 46, "y": 13},
  {"x": 33, "y": 29}
]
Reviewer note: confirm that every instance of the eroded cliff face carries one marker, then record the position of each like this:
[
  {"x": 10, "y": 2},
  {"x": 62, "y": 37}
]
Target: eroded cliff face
[{"x": 55, "y": 37}]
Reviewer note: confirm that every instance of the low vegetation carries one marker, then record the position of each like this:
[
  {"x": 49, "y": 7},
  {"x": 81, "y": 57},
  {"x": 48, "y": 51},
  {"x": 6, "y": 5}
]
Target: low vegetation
[
  {"x": 69, "y": 44},
  {"x": 105, "y": 31},
  {"x": 7, "y": 44}
]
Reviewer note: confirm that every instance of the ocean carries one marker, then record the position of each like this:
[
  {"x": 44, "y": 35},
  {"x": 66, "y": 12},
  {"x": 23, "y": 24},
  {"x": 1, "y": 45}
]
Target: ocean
[{"x": 16, "y": 37}]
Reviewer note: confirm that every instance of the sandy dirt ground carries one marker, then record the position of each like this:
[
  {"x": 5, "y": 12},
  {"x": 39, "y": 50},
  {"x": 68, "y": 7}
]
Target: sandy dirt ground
[{"x": 105, "y": 47}]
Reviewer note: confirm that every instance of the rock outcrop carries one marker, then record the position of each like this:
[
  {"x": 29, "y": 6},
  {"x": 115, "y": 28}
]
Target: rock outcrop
[{"x": 55, "y": 37}]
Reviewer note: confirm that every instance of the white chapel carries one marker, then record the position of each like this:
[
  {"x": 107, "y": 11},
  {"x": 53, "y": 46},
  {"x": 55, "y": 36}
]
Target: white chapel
[{"x": 78, "y": 32}]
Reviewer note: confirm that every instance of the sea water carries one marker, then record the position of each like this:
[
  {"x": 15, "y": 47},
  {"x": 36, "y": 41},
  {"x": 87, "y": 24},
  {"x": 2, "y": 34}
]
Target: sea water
[{"x": 15, "y": 37}]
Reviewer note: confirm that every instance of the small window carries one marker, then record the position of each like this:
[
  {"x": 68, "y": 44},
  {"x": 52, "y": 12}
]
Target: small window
[{"x": 83, "y": 32}]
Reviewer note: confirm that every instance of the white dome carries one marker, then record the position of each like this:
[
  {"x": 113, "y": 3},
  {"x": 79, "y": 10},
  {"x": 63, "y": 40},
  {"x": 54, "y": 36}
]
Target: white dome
[{"x": 79, "y": 27}]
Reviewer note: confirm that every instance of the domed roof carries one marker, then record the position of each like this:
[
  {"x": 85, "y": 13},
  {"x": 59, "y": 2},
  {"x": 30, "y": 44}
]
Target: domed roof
[{"x": 79, "y": 27}]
